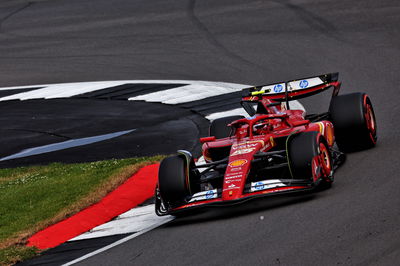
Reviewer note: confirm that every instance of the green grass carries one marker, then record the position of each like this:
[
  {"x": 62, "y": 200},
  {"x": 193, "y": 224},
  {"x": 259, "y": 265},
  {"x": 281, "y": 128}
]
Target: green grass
[
  {"x": 13, "y": 254},
  {"x": 32, "y": 198}
]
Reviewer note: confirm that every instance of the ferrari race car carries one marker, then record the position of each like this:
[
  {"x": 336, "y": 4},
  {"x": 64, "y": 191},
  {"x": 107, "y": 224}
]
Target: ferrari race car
[{"x": 273, "y": 151}]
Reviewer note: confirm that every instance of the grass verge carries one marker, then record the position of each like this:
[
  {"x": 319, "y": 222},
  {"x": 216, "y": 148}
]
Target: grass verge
[{"x": 32, "y": 198}]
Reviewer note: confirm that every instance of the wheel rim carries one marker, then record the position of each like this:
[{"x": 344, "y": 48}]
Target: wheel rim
[
  {"x": 325, "y": 159},
  {"x": 370, "y": 119}
]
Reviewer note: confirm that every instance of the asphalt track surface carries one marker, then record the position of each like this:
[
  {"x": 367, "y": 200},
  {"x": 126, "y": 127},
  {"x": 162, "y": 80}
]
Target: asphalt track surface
[
  {"x": 39, "y": 122},
  {"x": 356, "y": 222}
]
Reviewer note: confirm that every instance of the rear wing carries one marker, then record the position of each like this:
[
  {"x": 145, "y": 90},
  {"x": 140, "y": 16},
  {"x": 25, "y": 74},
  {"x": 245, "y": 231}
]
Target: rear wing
[{"x": 293, "y": 89}]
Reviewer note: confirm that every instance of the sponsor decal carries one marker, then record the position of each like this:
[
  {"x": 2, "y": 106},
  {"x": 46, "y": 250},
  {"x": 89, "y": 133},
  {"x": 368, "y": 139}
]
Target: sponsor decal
[
  {"x": 236, "y": 169},
  {"x": 230, "y": 174},
  {"x": 232, "y": 180},
  {"x": 209, "y": 194},
  {"x": 278, "y": 88},
  {"x": 242, "y": 131},
  {"x": 247, "y": 144},
  {"x": 238, "y": 163},
  {"x": 266, "y": 184},
  {"x": 204, "y": 195},
  {"x": 252, "y": 143},
  {"x": 232, "y": 186},
  {"x": 259, "y": 186},
  {"x": 243, "y": 151},
  {"x": 233, "y": 176},
  {"x": 303, "y": 84},
  {"x": 244, "y": 145},
  {"x": 265, "y": 147}
]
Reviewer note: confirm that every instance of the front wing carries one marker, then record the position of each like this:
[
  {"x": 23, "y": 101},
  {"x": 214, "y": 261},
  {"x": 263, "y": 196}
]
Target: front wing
[{"x": 252, "y": 191}]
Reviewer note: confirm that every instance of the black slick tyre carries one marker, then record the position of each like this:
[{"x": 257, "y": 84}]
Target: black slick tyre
[
  {"x": 354, "y": 121},
  {"x": 173, "y": 180},
  {"x": 303, "y": 150},
  {"x": 219, "y": 127}
]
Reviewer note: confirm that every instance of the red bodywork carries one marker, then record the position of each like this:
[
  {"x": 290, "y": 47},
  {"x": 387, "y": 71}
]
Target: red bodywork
[
  {"x": 259, "y": 134},
  {"x": 247, "y": 141}
]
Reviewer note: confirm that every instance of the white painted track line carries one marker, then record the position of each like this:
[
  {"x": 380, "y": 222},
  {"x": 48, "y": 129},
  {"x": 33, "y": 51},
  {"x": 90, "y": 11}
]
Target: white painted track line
[
  {"x": 189, "y": 93},
  {"x": 65, "y": 90},
  {"x": 119, "y": 242}
]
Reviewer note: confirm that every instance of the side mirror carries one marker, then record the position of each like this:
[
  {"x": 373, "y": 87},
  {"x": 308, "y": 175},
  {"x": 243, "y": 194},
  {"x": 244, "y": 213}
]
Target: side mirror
[{"x": 207, "y": 139}]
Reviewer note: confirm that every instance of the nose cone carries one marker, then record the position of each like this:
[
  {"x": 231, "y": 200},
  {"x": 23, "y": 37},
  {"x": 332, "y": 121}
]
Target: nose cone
[
  {"x": 238, "y": 167},
  {"x": 235, "y": 178}
]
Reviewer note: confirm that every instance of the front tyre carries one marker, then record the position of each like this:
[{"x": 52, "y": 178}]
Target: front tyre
[
  {"x": 173, "y": 180},
  {"x": 309, "y": 157}
]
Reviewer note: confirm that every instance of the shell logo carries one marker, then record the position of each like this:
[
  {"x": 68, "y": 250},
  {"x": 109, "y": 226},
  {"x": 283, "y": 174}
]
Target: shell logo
[{"x": 238, "y": 163}]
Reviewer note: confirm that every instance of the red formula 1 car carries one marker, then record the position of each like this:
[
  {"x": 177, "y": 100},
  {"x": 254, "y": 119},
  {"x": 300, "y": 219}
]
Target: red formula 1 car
[{"x": 276, "y": 150}]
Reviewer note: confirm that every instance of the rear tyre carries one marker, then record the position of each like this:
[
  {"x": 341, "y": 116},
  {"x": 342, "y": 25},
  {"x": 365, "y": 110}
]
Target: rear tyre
[
  {"x": 354, "y": 122},
  {"x": 219, "y": 127},
  {"x": 173, "y": 180},
  {"x": 309, "y": 156}
]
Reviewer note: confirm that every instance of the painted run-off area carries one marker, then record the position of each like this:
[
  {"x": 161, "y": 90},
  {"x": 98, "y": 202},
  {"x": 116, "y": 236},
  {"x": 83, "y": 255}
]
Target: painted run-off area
[{"x": 32, "y": 198}]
